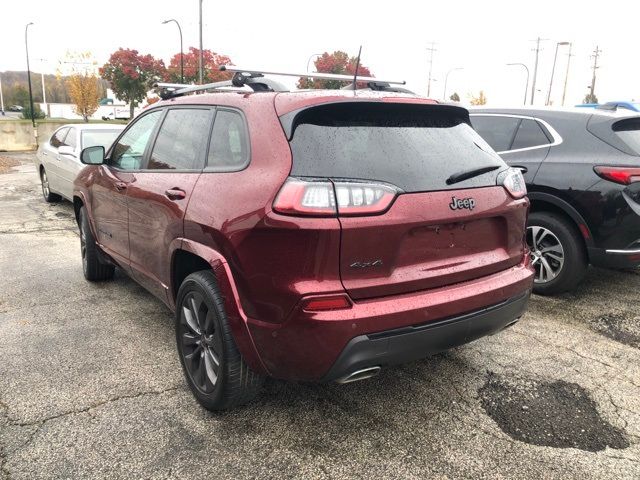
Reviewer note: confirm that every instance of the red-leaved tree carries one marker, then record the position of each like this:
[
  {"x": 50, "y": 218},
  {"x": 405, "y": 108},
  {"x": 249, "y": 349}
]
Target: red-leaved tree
[
  {"x": 132, "y": 75},
  {"x": 211, "y": 62},
  {"x": 336, "y": 62}
]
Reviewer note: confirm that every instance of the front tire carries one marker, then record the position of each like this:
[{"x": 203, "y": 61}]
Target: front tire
[
  {"x": 557, "y": 253},
  {"x": 49, "y": 197},
  {"x": 93, "y": 267},
  {"x": 214, "y": 368}
]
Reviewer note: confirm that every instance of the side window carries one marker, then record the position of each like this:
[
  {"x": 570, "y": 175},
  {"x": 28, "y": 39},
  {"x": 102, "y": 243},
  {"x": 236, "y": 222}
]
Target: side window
[
  {"x": 128, "y": 151},
  {"x": 181, "y": 140},
  {"x": 529, "y": 134},
  {"x": 57, "y": 139},
  {"x": 229, "y": 148},
  {"x": 497, "y": 131},
  {"x": 70, "y": 139}
]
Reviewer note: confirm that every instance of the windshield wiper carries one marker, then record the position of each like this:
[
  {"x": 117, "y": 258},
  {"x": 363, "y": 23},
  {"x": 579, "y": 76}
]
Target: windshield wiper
[{"x": 466, "y": 175}]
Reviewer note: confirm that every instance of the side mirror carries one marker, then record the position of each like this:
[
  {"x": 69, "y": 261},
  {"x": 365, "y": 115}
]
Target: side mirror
[
  {"x": 93, "y": 155},
  {"x": 66, "y": 150}
]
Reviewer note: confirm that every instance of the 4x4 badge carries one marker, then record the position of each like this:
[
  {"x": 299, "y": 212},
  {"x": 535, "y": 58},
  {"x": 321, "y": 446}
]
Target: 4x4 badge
[{"x": 457, "y": 203}]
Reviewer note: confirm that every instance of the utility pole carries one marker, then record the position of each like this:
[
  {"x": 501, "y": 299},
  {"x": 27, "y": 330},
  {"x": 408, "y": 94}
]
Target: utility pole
[
  {"x": 1, "y": 97},
  {"x": 596, "y": 54},
  {"x": 566, "y": 76},
  {"x": 430, "y": 49},
  {"x": 200, "y": 61},
  {"x": 553, "y": 71},
  {"x": 535, "y": 67},
  {"x": 26, "y": 45}
]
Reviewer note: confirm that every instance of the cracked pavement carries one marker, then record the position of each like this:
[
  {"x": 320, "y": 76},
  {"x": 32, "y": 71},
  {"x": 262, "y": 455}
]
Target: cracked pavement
[{"x": 91, "y": 386}]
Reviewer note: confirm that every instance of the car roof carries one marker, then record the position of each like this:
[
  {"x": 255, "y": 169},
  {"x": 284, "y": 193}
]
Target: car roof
[
  {"x": 95, "y": 126},
  {"x": 550, "y": 112},
  {"x": 286, "y": 102}
]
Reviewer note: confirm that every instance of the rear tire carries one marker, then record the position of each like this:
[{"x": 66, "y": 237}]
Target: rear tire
[
  {"x": 557, "y": 252},
  {"x": 46, "y": 191},
  {"x": 93, "y": 267},
  {"x": 214, "y": 368}
]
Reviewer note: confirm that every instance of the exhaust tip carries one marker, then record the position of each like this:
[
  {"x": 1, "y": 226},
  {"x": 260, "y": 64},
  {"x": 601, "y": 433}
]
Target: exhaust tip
[{"x": 363, "y": 374}]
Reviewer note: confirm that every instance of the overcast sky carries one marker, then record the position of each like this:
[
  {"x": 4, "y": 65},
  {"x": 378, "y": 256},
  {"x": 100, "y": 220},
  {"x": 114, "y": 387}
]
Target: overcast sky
[{"x": 480, "y": 37}]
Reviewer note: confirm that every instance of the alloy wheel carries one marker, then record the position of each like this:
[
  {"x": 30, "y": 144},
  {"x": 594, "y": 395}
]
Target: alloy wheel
[
  {"x": 547, "y": 253},
  {"x": 201, "y": 342},
  {"x": 45, "y": 184}
]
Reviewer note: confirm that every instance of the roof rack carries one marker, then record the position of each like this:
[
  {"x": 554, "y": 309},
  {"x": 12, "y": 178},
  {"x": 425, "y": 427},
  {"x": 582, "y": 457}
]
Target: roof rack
[{"x": 256, "y": 80}]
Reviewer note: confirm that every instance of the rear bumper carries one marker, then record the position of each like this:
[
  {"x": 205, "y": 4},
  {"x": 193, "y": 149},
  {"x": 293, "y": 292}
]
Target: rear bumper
[
  {"x": 411, "y": 343},
  {"x": 611, "y": 258},
  {"x": 309, "y": 344}
]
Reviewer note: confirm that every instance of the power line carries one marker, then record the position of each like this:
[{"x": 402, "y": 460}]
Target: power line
[{"x": 430, "y": 49}]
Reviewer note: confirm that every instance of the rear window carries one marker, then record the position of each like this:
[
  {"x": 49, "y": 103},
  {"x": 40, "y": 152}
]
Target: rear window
[
  {"x": 414, "y": 147},
  {"x": 91, "y": 138},
  {"x": 629, "y": 132}
]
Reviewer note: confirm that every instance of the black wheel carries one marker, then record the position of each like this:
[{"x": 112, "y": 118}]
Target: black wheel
[
  {"x": 93, "y": 267},
  {"x": 215, "y": 371},
  {"x": 557, "y": 253},
  {"x": 46, "y": 191}
]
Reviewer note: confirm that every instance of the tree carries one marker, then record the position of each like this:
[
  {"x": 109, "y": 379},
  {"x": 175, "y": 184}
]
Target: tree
[
  {"x": 590, "y": 98},
  {"x": 455, "y": 97},
  {"x": 21, "y": 96},
  {"x": 337, "y": 62},
  {"x": 211, "y": 62},
  {"x": 84, "y": 91},
  {"x": 481, "y": 99},
  {"x": 131, "y": 75}
]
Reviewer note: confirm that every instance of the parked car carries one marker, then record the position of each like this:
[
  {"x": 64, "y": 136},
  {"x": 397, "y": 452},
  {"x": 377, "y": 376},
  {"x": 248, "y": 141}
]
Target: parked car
[
  {"x": 582, "y": 169},
  {"x": 631, "y": 106},
  {"x": 312, "y": 236},
  {"x": 58, "y": 159},
  {"x": 15, "y": 108}
]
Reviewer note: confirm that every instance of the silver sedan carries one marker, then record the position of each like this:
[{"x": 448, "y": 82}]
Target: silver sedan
[{"x": 58, "y": 159}]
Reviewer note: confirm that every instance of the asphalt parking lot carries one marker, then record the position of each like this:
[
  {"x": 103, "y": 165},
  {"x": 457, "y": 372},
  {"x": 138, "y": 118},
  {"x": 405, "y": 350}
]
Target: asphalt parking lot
[{"x": 91, "y": 386}]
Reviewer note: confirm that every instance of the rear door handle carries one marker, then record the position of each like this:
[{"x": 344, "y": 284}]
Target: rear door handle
[
  {"x": 175, "y": 194},
  {"x": 120, "y": 186}
]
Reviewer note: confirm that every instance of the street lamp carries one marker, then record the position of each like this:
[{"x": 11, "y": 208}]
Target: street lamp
[
  {"x": 200, "y": 57},
  {"x": 26, "y": 45},
  {"x": 181, "y": 50},
  {"x": 311, "y": 57},
  {"x": 553, "y": 69},
  {"x": 526, "y": 87},
  {"x": 446, "y": 79}
]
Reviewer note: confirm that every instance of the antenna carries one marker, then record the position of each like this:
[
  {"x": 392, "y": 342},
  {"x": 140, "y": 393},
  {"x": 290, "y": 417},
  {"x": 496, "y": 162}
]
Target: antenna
[{"x": 355, "y": 75}]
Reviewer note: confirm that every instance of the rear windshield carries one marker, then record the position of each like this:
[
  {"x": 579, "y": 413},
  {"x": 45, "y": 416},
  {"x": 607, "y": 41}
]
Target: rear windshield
[
  {"x": 91, "y": 138},
  {"x": 414, "y": 147},
  {"x": 629, "y": 132}
]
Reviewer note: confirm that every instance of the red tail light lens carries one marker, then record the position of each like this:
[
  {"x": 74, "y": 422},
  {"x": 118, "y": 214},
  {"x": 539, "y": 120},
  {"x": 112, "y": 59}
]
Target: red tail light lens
[
  {"x": 338, "y": 302},
  {"x": 513, "y": 182},
  {"x": 318, "y": 197},
  {"x": 621, "y": 175}
]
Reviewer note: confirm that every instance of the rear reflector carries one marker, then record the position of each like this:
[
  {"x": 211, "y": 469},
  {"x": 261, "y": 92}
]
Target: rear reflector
[
  {"x": 338, "y": 302},
  {"x": 621, "y": 175},
  {"x": 314, "y": 197}
]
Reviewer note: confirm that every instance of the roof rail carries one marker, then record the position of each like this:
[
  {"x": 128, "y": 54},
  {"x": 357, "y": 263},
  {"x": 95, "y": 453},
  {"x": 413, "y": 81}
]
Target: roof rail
[{"x": 256, "y": 80}]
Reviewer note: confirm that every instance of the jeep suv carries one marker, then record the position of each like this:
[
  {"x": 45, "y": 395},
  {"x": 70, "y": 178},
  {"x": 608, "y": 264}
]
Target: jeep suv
[{"x": 312, "y": 236}]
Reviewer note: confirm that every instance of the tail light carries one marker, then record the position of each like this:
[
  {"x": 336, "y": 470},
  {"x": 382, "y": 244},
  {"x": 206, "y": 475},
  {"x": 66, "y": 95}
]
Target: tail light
[
  {"x": 621, "y": 175},
  {"x": 513, "y": 182},
  {"x": 326, "y": 198}
]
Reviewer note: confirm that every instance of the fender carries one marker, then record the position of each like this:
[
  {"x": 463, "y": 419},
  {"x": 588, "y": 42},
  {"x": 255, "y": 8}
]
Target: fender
[
  {"x": 566, "y": 208},
  {"x": 238, "y": 321}
]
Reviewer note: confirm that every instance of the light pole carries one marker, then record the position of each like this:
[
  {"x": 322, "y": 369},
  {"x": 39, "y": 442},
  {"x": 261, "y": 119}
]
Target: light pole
[
  {"x": 526, "y": 87},
  {"x": 200, "y": 57},
  {"x": 181, "y": 50},
  {"x": 26, "y": 45},
  {"x": 1, "y": 97},
  {"x": 553, "y": 70},
  {"x": 311, "y": 57},
  {"x": 566, "y": 76},
  {"x": 446, "y": 80}
]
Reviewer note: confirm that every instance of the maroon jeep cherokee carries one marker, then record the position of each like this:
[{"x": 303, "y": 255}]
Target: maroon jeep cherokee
[{"x": 313, "y": 236}]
